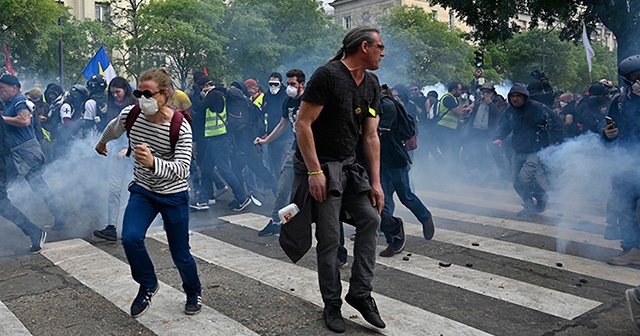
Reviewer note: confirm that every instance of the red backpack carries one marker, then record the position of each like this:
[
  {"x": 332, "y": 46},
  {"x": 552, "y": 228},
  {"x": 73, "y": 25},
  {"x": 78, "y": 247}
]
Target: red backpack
[{"x": 174, "y": 128}]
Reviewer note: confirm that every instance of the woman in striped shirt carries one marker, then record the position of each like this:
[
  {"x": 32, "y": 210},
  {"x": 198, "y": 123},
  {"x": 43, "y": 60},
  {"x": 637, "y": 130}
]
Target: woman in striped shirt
[{"x": 159, "y": 185}]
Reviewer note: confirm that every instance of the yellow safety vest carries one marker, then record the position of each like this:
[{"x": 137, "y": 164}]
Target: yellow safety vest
[
  {"x": 449, "y": 120},
  {"x": 215, "y": 123}
]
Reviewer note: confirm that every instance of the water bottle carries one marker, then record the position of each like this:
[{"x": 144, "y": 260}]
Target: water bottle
[{"x": 288, "y": 212}]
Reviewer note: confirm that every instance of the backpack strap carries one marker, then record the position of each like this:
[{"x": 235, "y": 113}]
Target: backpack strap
[
  {"x": 174, "y": 128},
  {"x": 131, "y": 119}
]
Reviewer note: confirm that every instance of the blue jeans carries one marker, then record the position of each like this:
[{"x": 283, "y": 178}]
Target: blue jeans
[
  {"x": 397, "y": 179},
  {"x": 218, "y": 154},
  {"x": 625, "y": 193},
  {"x": 529, "y": 178},
  {"x": 284, "y": 186},
  {"x": 142, "y": 208}
]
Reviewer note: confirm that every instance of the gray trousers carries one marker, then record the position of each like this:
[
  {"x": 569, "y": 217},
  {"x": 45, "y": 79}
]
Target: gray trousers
[
  {"x": 529, "y": 178},
  {"x": 367, "y": 221}
]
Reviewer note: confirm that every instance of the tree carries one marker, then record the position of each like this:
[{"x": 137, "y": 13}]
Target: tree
[
  {"x": 493, "y": 19},
  {"x": 28, "y": 27},
  {"x": 125, "y": 20},
  {"x": 186, "y": 39},
  {"x": 277, "y": 35},
  {"x": 422, "y": 49}
]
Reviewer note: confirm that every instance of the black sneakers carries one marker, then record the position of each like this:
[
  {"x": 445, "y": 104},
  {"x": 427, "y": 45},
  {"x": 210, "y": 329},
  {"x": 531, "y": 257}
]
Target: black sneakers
[
  {"x": 239, "y": 206},
  {"x": 108, "y": 233},
  {"x": 270, "y": 230},
  {"x": 333, "y": 319},
  {"x": 37, "y": 242},
  {"x": 143, "y": 300},
  {"x": 367, "y": 307},
  {"x": 194, "y": 304},
  {"x": 428, "y": 229}
]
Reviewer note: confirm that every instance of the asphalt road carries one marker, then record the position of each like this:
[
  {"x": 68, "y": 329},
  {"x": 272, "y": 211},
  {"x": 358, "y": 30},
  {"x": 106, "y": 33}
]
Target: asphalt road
[{"x": 507, "y": 276}]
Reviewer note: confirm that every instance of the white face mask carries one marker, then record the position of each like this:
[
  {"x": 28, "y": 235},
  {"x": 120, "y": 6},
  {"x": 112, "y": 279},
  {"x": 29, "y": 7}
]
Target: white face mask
[
  {"x": 274, "y": 89},
  {"x": 149, "y": 106},
  {"x": 636, "y": 88},
  {"x": 292, "y": 91},
  {"x": 563, "y": 104},
  {"x": 464, "y": 96}
]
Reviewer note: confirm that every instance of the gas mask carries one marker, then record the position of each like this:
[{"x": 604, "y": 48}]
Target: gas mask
[
  {"x": 292, "y": 91},
  {"x": 274, "y": 87},
  {"x": 464, "y": 96},
  {"x": 149, "y": 106},
  {"x": 204, "y": 91},
  {"x": 563, "y": 104}
]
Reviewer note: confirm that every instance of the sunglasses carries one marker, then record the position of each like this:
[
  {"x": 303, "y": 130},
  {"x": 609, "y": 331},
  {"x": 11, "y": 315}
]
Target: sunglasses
[
  {"x": 274, "y": 84},
  {"x": 146, "y": 93}
]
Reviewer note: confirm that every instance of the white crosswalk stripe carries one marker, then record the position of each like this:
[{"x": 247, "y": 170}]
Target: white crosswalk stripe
[
  {"x": 401, "y": 318},
  {"x": 545, "y": 300},
  {"x": 9, "y": 323},
  {"x": 112, "y": 279}
]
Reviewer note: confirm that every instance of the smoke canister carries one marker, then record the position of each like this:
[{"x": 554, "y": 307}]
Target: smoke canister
[{"x": 288, "y": 212}]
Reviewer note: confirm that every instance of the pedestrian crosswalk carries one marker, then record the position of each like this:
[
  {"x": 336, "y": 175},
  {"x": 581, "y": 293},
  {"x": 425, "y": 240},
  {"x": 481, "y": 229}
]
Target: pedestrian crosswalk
[{"x": 505, "y": 287}]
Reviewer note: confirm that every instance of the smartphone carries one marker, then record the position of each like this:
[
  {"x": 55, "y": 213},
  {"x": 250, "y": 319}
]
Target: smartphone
[{"x": 609, "y": 120}]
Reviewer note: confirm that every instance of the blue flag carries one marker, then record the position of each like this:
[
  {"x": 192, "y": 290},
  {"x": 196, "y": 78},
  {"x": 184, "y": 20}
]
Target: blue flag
[{"x": 100, "y": 65}]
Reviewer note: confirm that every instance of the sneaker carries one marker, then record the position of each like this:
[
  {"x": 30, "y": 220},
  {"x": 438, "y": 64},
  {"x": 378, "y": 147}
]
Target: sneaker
[
  {"x": 270, "y": 230},
  {"x": 367, "y": 307},
  {"x": 38, "y": 242},
  {"x": 634, "y": 306},
  {"x": 242, "y": 205},
  {"x": 397, "y": 242},
  {"x": 212, "y": 201},
  {"x": 333, "y": 319},
  {"x": 612, "y": 232},
  {"x": 219, "y": 192},
  {"x": 108, "y": 233},
  {"x": 526, "y": 212},
  {"x": 194, "y": 304},
  {"x": 200, "y": 206},
  {"x": 630, "y": 257},
  {"x": 428, "y": 229},
  {"x": 143, "y": 300},
  {"x": 541, "y": 206},
  {"x": 343, "y": 264},
  {"x": 255, "y": 201}
]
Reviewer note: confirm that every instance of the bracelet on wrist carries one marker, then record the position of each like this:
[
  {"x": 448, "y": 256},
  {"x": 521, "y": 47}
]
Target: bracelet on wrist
[{"x": 315, "y": 172}]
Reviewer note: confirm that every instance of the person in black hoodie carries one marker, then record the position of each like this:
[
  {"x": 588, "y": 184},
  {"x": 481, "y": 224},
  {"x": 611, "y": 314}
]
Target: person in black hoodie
[{"x": 534, "y": 127}]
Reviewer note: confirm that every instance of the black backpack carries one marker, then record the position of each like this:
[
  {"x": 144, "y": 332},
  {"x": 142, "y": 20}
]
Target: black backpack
[
  {"x": 243, "y": 114},
  {"x": 406, "y": 128}
]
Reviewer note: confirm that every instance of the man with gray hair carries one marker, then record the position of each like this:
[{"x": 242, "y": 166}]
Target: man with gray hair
[{"x": 342, "y": 98}]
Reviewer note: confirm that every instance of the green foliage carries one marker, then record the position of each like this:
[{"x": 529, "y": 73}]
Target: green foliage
[
  {"x": 421, "y": 49},
  {"x": 494, "y": 20},
  {"x": 565, "y": 62},
  {"x": 184, "y": 40}
]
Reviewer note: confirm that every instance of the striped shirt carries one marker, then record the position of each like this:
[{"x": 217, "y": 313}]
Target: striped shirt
[{"x": 171, "y": 168}]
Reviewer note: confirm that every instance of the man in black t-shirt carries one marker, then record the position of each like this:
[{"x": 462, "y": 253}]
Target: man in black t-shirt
[
  {"x": 295, "y": 88},
  {"x": 339, "y": 107}
]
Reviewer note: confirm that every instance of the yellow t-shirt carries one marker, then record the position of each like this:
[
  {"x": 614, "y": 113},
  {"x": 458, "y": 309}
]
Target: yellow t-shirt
[{"x": 180, "y": 101}]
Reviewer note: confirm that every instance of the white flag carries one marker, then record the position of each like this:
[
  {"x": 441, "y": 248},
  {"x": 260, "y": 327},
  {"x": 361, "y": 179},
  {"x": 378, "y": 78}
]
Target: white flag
[{"x": 587, "y": 45}]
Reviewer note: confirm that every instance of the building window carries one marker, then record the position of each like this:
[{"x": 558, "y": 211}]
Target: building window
[
  {"x": 434, "y": 14},
  {"x": 346, "y": 22},
  {"x": 102, "y": 11},
  {"x": 452, "y": 19}
]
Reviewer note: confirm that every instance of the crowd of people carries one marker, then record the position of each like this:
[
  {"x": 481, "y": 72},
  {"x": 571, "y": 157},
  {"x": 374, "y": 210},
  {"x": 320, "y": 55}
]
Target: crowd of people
[{"x": 338, "y": 145}]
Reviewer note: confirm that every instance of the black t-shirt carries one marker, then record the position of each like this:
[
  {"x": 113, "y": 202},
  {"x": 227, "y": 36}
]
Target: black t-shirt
[
  {"x": 290, "y": 110},
  {"x": 271, "y": 105},
  {"x": 337, "y": 129}
]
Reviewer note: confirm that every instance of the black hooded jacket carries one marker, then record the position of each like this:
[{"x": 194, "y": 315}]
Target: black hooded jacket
[{"x": 534, "y": 125}]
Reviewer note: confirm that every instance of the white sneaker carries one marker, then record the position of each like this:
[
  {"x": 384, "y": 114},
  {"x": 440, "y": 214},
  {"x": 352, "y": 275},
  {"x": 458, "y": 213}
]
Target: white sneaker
[{"x": 212, "y": 201}]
